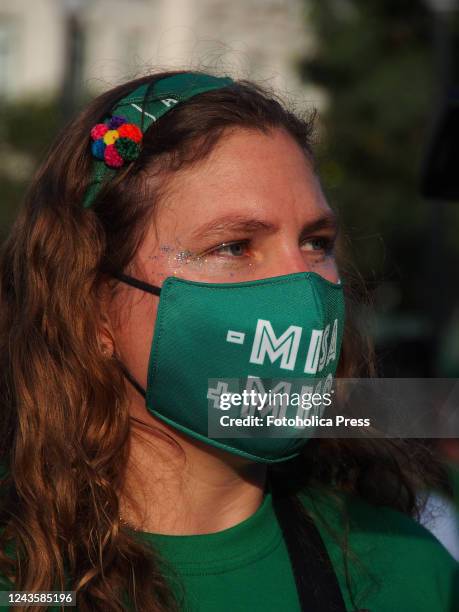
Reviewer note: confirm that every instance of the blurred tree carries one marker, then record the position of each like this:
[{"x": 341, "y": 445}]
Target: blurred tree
[
  {"x": 375, "y": 61},
  {"x": 26, "y": 130},
  {"x": 28, "y": 127}
]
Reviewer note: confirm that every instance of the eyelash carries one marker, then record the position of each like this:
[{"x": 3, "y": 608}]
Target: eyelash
[{"x": 327, "y": 245}]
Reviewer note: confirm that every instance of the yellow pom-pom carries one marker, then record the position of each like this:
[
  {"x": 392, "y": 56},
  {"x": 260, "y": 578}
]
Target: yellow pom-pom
[{"x": 111, "y": 136}]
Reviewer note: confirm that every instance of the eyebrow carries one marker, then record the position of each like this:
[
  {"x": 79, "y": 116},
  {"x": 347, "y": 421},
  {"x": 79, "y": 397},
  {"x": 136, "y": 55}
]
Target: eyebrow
[
  {"x": 327, "y": 221},
  {"x": 241, "y": 223}
]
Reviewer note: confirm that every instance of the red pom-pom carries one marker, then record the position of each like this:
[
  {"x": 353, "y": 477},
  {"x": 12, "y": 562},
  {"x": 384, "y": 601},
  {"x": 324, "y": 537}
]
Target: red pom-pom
[
  {"x": 98, "y": 131},
  {"x": 129, "y": 130},
  {"x": 112, "y": 157}
]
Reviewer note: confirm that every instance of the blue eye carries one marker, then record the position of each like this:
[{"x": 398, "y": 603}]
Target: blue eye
[
  {"x": 322, "y": 243},
  {"x": 235, "y": 249}
]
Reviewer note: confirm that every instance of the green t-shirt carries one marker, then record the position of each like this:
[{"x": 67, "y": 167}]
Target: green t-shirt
[
  {"x": 400, "y": 567},
  {"x": 396, "y": 565}
]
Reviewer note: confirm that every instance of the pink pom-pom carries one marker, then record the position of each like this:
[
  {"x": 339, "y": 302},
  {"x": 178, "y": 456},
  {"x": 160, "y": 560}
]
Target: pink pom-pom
[
  {"x": 112, "y": 157},
  {"x": 98, "y": 131}
]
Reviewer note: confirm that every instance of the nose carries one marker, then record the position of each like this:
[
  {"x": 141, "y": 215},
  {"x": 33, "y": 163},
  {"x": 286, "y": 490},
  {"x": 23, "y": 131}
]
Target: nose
[{"x": 293, "y": 259}]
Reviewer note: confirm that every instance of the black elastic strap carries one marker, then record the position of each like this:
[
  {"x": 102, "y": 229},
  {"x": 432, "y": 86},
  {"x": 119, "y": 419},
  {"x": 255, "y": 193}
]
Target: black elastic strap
[
  {"x": 316, "y": 581},
  {"x": 134, "y": 282},
  {"x": 137, "y": 386}
]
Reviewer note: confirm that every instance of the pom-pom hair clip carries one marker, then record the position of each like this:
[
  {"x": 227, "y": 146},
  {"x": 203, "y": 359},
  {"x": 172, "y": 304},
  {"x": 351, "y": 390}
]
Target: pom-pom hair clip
[
  {"x": 116, "y": 141},
  {"x": 119, "y": 138}
]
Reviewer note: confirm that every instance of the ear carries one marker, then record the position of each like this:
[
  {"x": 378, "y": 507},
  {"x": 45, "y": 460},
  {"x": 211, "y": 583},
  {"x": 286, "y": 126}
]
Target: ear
[
  {"x": 105, "y": 332},
  {"x": 106, "y": 339}
]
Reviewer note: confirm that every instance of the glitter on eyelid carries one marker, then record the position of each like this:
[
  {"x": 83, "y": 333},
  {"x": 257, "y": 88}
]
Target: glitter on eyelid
[{"x": 183, "y": 255}]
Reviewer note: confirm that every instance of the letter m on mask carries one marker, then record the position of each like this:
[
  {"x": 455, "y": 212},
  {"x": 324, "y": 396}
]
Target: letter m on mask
[{"x": 284, "y": 347}]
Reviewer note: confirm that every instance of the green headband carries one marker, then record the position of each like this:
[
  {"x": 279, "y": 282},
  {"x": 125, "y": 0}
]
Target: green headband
[{"x": 118, "y": 139}]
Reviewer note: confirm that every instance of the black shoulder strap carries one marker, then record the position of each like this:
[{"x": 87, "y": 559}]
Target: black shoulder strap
[{"x": 316, "y": 581}]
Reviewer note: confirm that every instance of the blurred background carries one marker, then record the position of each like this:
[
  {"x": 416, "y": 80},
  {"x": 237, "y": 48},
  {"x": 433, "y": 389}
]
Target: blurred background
[{"x": 380, "y": 74}]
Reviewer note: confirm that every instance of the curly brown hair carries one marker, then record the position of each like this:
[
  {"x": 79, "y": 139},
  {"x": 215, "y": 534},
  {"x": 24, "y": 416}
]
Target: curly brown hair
[{"x": 64, "y": 422}]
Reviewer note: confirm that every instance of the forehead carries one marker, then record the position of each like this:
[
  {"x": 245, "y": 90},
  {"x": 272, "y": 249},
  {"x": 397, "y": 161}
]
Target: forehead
[{"x": 248, "y": 172}]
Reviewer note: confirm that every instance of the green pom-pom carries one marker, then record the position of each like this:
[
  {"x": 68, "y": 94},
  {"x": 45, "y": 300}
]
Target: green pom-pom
[{"x": 127, "y": 148}]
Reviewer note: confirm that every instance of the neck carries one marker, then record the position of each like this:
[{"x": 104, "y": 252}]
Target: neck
[{"x": 180, "y": 486}]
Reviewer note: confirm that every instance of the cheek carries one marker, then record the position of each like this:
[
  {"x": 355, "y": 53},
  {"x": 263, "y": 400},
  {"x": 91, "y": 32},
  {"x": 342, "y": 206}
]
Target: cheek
[
  {"x": 135, "y": 336},
  {"x": 326, "y": 267}
]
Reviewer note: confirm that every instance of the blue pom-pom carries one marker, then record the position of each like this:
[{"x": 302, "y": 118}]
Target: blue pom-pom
[{"x": 98, "y": 148}]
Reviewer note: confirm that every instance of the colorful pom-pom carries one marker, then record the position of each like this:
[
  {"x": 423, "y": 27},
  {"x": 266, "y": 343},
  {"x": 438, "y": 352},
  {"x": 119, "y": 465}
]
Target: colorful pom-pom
[
  {"x": 112, "y": 157},
  {"x": 116, "y": 141},
  {"x": 127, "y": 148},
  {"x": 98, "y": 148},
  {"x": 98, "y": 131},
  {"x": 130, "y": 130},
  {"x": 116, "y": 121},
  {"x": 111, "y": 136}
]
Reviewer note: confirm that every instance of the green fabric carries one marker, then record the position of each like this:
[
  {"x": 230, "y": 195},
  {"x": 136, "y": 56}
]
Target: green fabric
[
  {"x": 147, "y": 104},
  {"x": 290, "y": 329},
  {"x": 242, "y": 568},
  {"x": 400, "y": 567}
]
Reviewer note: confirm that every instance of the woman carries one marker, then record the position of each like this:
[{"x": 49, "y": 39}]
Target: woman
[{"x": 166, "y": 213}]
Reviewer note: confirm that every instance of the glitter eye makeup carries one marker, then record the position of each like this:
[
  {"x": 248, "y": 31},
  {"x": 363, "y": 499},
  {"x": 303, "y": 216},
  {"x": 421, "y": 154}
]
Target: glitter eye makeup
[
  {"x": 218, "y": 262},
  {"x": 183, "y": 256},
  {"x": 240, "y": 248}
]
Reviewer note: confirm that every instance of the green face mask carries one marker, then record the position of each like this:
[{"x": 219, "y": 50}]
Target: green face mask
[{"x": 284, "y": 327}]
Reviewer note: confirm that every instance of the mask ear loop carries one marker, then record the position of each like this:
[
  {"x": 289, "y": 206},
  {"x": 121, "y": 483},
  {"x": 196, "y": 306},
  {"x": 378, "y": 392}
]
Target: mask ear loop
[
  {"x": 134, "y": 282},
  {"x": 137, "y": 386}
]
